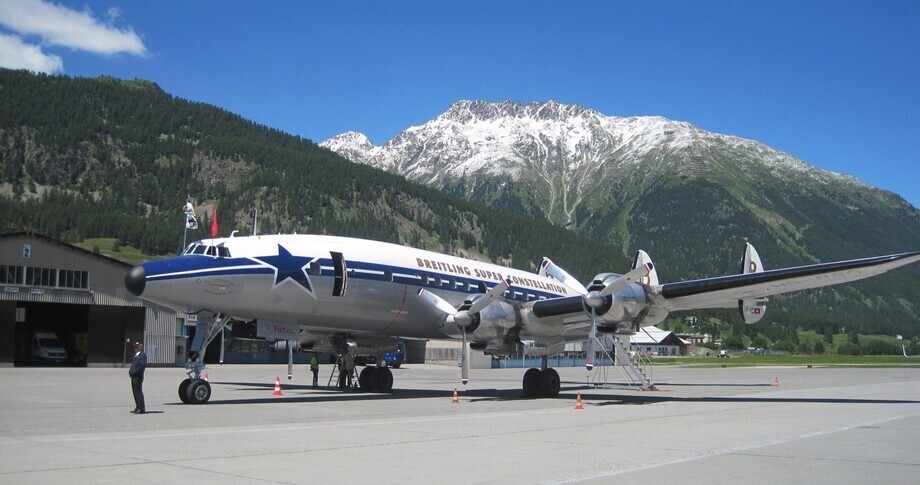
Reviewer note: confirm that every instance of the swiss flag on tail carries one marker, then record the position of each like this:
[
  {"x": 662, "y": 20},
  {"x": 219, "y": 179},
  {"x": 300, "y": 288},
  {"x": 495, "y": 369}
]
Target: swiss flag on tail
[{"x": 214, "y": 223}]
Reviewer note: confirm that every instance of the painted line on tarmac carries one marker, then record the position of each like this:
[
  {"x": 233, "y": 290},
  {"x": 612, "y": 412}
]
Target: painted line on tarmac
[
  {"x": 287, "y": 428},
  {"x": 729, "y": 451}
]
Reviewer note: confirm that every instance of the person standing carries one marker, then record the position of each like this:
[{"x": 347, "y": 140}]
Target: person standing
[
  {"x": 349, "y": 367},
  {"x": 314, "y": 368},
  {"x": 136, "y": 372}
]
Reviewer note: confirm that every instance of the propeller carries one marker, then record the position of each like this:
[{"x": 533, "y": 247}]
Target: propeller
[
  {"x": 595, "y": 299},
  {"x": 463, "y": 317}
]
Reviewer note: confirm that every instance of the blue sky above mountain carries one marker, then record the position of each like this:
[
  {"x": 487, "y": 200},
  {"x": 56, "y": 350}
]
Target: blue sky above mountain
[{"x": 836, "y": 84}]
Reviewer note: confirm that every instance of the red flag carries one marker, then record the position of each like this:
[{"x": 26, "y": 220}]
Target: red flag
[{"x": 214, "y": 223}]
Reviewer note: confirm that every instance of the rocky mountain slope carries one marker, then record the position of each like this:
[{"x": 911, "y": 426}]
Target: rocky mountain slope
[{"x": 690, "y": 197}]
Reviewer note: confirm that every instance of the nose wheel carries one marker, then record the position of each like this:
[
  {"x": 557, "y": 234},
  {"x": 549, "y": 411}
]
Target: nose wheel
[{"x": 194, "y": 391}]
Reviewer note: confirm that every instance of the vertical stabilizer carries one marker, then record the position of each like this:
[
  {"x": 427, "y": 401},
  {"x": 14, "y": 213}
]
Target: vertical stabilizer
[
  {"x": 754, "y": 309},
  {"x": 651, "y": 279}
]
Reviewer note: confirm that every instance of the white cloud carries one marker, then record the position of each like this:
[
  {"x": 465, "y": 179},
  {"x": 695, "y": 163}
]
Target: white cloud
[
  {"x": 16, "y": 54},
  {"x": 60, "y": 26}
]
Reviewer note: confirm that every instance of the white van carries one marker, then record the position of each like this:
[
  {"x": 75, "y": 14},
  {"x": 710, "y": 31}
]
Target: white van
[{"x": 47, "y": 348}]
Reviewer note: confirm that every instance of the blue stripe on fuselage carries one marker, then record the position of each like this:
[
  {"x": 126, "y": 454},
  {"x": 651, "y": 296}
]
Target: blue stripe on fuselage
[{"x": 198, "y": 266}]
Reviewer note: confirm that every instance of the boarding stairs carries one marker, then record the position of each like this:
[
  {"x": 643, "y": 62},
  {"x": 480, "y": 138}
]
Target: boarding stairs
[{"x": 633, "y": 365}]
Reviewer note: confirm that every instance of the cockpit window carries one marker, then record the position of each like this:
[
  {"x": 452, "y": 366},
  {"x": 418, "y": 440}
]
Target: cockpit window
[
  {"x": 212, "y": 251},
  {"x": 188, "y": 250},
  {"x": 223, "y": 252},
  {"x": 200, "y": 249}
]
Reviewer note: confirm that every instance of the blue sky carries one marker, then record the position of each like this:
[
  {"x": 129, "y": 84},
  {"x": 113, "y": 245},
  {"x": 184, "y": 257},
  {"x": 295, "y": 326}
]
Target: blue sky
[{"x": 835, "y": 83}]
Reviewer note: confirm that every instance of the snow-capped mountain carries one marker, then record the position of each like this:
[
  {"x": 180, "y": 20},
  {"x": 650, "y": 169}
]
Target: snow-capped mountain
[
  {"x": 622, "y": 179},
  {"x": 565, "y": 152}
]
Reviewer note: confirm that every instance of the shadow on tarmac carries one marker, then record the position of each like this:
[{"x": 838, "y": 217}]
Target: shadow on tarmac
[{"x": 623, "y": 396}]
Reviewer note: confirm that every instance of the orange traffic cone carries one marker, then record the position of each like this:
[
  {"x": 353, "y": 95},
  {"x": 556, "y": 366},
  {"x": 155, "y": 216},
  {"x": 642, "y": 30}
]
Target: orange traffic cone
[
  {"x": 578, "y": 401},
  {"x": 277, "y": 387},
  {"x": 776, "y": 382},
  {"x": 456, "y": 399},
  {"x": 206, "y": 377}
]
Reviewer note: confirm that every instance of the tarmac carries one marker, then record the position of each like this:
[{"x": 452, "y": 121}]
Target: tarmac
[{"x": 713, "y": 425}]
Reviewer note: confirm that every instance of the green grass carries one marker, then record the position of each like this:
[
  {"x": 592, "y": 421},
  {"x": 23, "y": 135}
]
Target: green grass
[
  {"x": 792, "y": 360},
  {"x": 127, "y": 254}
]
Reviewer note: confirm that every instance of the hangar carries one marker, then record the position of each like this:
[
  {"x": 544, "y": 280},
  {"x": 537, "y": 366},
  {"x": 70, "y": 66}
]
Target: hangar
[{"x": 52, "y": 287}]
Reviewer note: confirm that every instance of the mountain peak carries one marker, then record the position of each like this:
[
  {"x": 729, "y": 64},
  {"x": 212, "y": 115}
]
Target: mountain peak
[
  {"x": 352, "y": 145},
  {"x": 466, "y": 111}
]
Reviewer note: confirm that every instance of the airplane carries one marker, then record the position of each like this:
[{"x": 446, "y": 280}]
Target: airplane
[{"x": 339, "y": 294}]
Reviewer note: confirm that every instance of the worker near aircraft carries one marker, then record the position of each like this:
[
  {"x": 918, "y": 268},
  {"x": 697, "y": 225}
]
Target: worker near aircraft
[
  {"x": 136, "y": 372},
  {"x": 314, "y": 368},
  {"x": 349, "y": 367}
]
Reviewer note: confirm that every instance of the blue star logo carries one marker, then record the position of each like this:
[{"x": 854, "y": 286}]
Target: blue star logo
[{"x": 289, "y": 267}]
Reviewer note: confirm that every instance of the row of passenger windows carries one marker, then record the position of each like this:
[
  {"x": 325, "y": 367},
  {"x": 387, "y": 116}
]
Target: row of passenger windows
[
  {"x": 464, "y": 286},
  {"x": 47, "y": 277},
  {"x": 217, "y": 251}
]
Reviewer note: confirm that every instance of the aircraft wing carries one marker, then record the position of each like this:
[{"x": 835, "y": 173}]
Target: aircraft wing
[{"x": 725, "y": 291}]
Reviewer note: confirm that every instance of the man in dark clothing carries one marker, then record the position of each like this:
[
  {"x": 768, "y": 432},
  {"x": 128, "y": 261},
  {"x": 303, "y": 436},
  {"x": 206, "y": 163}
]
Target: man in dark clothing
[
  {"x": 314, "y": 368},
  {"x": 138, "y": 364}
]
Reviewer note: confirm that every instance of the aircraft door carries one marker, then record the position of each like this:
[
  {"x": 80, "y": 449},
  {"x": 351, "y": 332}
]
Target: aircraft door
[{"x": 341, "y": 274}]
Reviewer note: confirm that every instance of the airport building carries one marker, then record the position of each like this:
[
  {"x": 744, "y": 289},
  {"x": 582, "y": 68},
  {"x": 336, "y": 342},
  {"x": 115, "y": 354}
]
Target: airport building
[
  {"x": 655, "y": 341},
  {"x": 51, "y": 290}
]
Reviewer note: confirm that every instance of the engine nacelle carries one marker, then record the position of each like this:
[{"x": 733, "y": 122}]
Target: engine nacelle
[
  {"x": 621, "y": 311},
  {"x": 490, "y": 324}
]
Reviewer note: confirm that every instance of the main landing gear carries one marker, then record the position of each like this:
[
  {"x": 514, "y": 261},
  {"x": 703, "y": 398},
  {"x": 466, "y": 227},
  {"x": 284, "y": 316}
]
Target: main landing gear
[
  {"x": 376, "y": 379},
  {"x": 543, "y": 382}
]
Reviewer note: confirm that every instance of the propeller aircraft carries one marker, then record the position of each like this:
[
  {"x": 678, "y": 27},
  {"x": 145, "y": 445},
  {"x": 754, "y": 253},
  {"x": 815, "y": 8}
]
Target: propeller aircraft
[{"x": 332, "y": 294}]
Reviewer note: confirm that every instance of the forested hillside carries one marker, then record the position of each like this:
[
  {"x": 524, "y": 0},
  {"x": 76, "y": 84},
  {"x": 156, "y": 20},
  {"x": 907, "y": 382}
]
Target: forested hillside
[
  {"x": 86, "y": 158},
  {"x": 103, "y": 157}
]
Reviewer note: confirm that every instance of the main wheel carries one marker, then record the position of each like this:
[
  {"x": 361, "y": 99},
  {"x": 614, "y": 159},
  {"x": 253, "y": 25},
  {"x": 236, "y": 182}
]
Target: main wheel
[
  {"x": 199, "y": 391},
  {"x": 183, "y": 390},
  {"x": 366, "y": 379},
  {"x": 532, "y": 382},
  {"x": 383, "y": 380},
  {"x": 549, "y": 383}
]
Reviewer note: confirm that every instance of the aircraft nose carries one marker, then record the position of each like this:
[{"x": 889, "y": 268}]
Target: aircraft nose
[{"x": 136, "y": 280}]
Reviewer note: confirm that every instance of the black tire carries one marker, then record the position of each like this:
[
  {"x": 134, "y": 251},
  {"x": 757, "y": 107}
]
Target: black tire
[
  {"x": 199, "y": 391},
  {"x": 183, "y": 390},
  {"x": 366, "y": 379},
  {"x": 383, "y": 380},
  {"x": 396, "y": 365},
  {"x": 531, "y": 382},
  {"x": 549, "y": 383}
]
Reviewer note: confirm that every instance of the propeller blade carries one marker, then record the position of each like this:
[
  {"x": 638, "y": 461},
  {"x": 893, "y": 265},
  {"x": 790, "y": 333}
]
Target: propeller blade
[
  {"x": 437, "y": 302},
  {"x": 592, "y": 338},
  {"x": 624, "y": 281},
  {"x": 462, "y": 318},
  {"x": 465, "y": 361},
  {"x": 548, "y": 268},
  {"x": 490, "y": 296}
]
